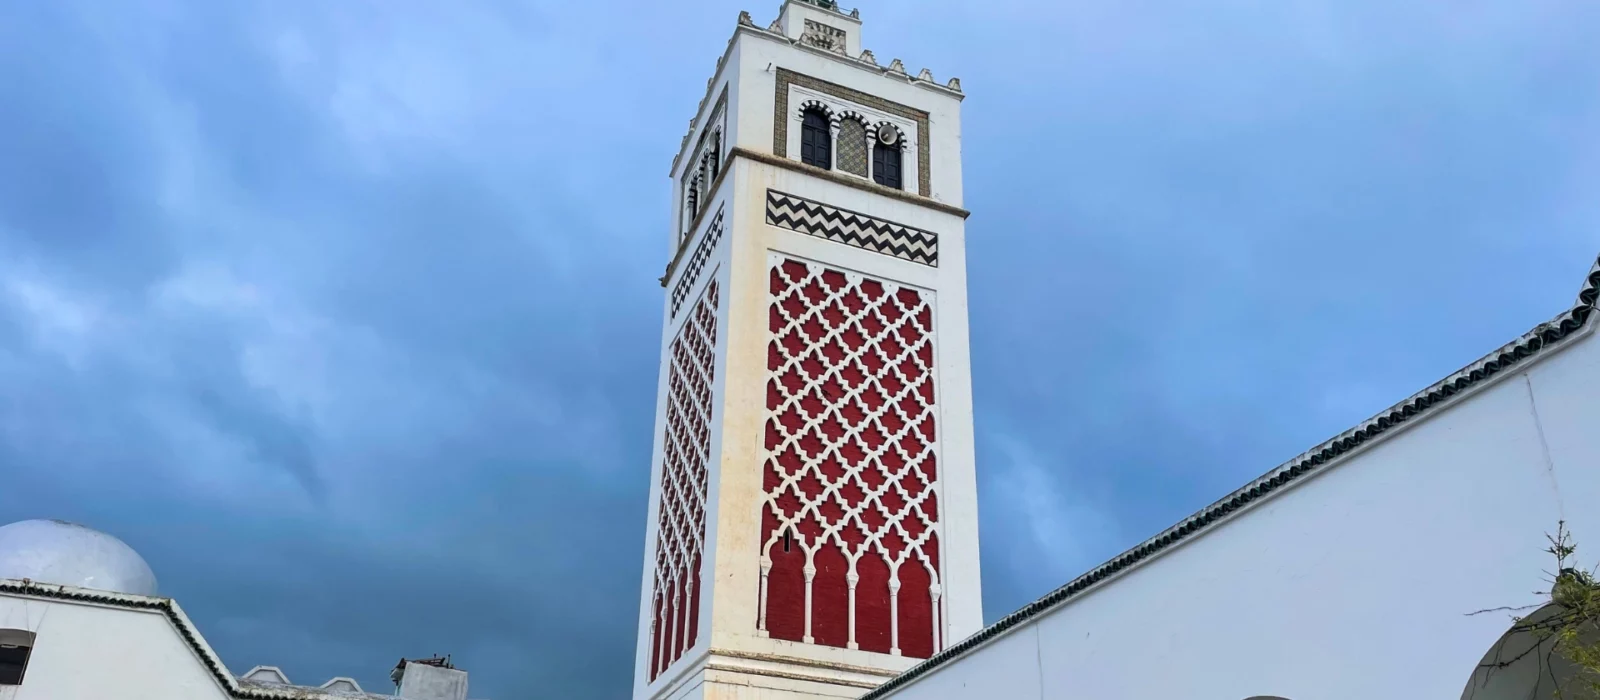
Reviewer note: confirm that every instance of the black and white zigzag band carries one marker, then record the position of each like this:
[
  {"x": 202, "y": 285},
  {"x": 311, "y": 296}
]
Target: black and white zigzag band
[{"x": 847, "y": 227}]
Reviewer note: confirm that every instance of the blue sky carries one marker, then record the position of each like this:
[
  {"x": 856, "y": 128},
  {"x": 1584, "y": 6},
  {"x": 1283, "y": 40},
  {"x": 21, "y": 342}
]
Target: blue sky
[{"x": 344, "y": 313}]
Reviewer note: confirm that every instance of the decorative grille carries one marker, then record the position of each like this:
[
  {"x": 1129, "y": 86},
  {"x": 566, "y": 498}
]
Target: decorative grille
[
  {"x": 850, "y": 514},
  {"x": 686, "y": 449},
  {"x": 852, "y": 147}
]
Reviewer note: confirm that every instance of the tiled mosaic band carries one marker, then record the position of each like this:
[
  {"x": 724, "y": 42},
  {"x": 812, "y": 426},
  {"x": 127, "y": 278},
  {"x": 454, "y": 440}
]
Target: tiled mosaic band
[{"x": 852, "y": 229}]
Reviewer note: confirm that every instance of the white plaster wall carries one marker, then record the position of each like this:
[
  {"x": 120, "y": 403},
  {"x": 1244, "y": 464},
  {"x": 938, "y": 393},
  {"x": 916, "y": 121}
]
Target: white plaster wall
[
  {"x": 1356, "y": 583},
  {"x": 424, "y": 682},
  {"x": 93, "y": 652}
]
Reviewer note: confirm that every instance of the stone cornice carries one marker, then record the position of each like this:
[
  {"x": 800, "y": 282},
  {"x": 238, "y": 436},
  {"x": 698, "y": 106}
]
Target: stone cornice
[{"x": 858, "y": 183}]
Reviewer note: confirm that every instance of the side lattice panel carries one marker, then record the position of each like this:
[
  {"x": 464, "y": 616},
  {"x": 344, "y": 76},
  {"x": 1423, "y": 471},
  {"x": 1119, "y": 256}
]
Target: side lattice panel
[
  {"x": 686, "y": 449},
  {"x": 850, "y": 513}
]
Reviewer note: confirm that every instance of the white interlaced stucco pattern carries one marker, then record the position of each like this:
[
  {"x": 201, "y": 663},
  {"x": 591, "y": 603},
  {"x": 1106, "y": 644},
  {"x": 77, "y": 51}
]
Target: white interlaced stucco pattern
[
  {"x": 850, "y": 462},
  {"x": 681, "y": 530}
]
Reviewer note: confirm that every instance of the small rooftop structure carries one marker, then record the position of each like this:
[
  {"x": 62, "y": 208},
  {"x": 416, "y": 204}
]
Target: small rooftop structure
[
  {"x": 266, "y": 675},
  {"x": 436, "y": 661},
  {"x": 433, "y": 678}
]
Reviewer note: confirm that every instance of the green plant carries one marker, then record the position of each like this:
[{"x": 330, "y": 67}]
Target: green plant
[{"x": 1570, "y": 629}]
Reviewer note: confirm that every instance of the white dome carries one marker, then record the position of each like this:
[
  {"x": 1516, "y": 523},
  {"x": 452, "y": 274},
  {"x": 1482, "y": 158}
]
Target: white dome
[{"x": 59, "y": 552}]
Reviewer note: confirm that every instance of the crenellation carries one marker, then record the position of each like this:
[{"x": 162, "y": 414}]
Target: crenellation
[{"x": 865, "y": 60}]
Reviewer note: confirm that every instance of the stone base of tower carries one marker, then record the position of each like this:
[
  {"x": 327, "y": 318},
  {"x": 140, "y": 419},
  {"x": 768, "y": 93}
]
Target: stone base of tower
[{"x": 745, "y": 676}]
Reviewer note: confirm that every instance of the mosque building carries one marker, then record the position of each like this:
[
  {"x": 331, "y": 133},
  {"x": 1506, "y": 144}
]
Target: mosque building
[
  {"x": 813, "y": 521},
  {"x": 813, "y": 530},
  {"x": 81, "y": 619}
]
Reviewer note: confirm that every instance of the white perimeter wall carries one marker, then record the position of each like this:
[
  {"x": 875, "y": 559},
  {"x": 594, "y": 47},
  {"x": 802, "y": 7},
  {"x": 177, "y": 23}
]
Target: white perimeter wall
[
  {"x": 1355, "y": 584},
  {"x": 103, "y": 653}
]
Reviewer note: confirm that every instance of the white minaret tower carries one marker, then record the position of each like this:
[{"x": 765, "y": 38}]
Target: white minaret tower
[{"x": 813, "y": 526}]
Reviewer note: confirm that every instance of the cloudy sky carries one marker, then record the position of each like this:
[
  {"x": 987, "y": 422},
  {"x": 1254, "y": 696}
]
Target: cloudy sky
[{"x": 344, "y": 312}]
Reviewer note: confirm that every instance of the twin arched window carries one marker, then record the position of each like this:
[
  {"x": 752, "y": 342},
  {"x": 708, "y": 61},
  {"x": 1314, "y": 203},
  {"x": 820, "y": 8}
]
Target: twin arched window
[{"x": 817, "y": 148}]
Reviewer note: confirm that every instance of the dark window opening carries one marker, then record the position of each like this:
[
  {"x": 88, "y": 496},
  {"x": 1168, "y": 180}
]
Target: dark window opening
[
  {"x": 15, "y": 646},
  {"x": 886, "y": 165},
  {"x": 787, "y": 539},
  {"x": 690, "y": 201},
  {"x": 691, "y": 204},
  {"x": 716, "y": 156},
  {"x": 816, "y": 141}
]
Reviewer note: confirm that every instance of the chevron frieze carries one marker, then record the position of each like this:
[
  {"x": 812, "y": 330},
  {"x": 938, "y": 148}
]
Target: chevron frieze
[
  {"x": 691, "y": 272},
  {"x": 852, "y": 229}
]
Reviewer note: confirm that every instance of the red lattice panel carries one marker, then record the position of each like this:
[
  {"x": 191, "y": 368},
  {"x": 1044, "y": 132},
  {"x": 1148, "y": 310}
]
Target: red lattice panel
[
  {"x": 681, "y": 530},
  {"x": 850, "y": 512}
]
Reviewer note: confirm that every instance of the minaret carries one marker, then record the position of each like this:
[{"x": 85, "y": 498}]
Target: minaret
[{"x": 813, "y": 523}]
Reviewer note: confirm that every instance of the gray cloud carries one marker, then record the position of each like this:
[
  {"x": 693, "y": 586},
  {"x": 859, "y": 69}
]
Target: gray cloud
[{"x": 345, "y": 315}]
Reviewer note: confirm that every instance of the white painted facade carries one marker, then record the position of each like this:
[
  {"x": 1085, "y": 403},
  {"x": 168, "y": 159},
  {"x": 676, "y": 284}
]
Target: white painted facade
[
  {"x": 725, "y": 238},
  {"x": 87, "y": 650},
  {"x": 90, "y": 644},
  {"x": 79, "y": 621},
  {"x": 1356, "y": 579}
]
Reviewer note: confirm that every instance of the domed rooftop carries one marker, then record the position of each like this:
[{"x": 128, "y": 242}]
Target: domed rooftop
[{"x": 59, "y": 552}]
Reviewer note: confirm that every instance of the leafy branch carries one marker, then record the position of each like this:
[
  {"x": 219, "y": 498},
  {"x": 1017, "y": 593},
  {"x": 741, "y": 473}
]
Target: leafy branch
[{"x": 1569, "y": 630}]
